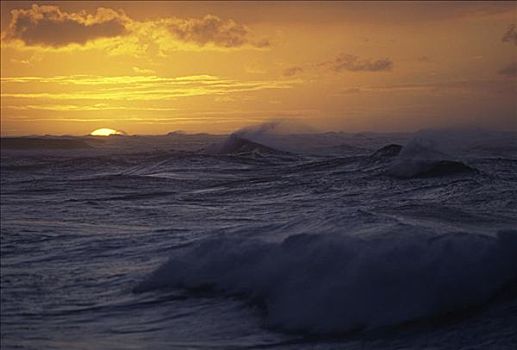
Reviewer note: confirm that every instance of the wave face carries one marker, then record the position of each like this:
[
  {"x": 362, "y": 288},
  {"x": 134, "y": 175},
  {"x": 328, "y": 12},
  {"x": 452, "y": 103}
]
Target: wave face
[
  {"x": 414, "y": 168},
  {"x": 239, "y": 145},
  {"x": 159, "y": 242},
  {"x": 328, "y": 284},
  {"x": 387, "y": 151},
  {"x": 428, "y": 156}
]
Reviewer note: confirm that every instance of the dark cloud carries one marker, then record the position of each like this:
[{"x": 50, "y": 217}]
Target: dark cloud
[
  {"x": 214, "y": 30},
  {"x": 292, "y": 71},
  {"x": 343, "y": 62},
  {"x": 355, "y": 64},
  {"x": 49, "y": 26},
  {"x": 510, "y": 70},
  {"x": 510, "y": 36}
]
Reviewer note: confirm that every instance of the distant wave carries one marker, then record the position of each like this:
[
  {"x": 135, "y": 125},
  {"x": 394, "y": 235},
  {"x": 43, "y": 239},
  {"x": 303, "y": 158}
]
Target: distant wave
[
  {"x": 426, "y": 168},
  {"x": 391, "y": 150},
  {"x": 423, "y": 159},
  {"x": 31, "y": 143},
  {"x": 237, "y": 145},
  {"x": 325, "y": 284}
]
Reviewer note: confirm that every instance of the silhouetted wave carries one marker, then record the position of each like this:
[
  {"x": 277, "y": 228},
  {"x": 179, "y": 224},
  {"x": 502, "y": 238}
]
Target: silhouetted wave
[
  {"x": 422, "y": 169},
  {"x": 446, "y": 168},
  {"x": 239, "y": 145},
  {"x": 416, "y": 160},
  {"x": 391, "y": 150},
  {"x": 332, "y": 284},
  {"x": 30, "y": 143}
]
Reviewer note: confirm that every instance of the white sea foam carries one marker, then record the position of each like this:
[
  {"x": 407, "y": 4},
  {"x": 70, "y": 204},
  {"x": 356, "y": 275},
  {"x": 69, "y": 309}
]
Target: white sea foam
[
  {"x": 443, "y": 152},
  {"x": 333, "y": 283}
]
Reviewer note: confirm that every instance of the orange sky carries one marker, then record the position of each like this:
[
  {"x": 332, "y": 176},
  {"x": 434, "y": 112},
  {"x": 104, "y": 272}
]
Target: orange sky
[{"x": 155, "y": 67}]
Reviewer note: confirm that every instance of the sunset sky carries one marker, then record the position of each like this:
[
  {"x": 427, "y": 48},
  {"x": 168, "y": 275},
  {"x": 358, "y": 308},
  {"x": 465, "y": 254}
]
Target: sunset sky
[{"x": 155, "y": 67}]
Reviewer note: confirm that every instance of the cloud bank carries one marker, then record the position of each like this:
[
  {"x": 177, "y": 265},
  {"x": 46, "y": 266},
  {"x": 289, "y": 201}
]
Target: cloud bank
[
  {"x": 50, "y": 27},
  {"x": 213, "y": 30}
]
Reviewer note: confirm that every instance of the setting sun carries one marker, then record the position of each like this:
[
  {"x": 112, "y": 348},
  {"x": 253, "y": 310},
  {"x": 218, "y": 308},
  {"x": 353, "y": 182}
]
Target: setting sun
[{"x": 105, "y": 132}]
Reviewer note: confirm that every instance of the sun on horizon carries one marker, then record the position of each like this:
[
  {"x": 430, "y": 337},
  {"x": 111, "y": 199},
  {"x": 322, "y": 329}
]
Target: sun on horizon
[{"x": 105, "y": 132}]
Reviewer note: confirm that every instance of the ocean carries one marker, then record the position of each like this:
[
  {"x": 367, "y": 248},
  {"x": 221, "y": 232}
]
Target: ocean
[{"x": 260, "y": 240}]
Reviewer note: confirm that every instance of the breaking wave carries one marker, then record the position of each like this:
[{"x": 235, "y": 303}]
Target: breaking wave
[
  {"x": 428, "y": 155},
  {"x": 238, "y": 145},
  {"x": 325, "y": 284},
  {"x": 391, "y": 150},
  {"x": 414, "y": 168}
]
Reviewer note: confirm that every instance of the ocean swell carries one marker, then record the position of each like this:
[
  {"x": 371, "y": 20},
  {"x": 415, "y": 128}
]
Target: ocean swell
[
  {"x": 425, "y": 158},
  {"x": 325, "y": 284}
]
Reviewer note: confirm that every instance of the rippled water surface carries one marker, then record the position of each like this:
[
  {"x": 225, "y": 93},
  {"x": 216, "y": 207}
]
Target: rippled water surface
[{"x": 206, "y": 242}]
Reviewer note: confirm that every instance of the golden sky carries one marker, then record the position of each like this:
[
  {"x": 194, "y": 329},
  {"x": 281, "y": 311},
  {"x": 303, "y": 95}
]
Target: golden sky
[{"x": 154, "y": 67}]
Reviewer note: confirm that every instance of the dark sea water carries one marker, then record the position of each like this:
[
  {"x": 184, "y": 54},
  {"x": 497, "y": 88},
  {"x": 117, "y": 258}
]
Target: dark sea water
[{"x": 258, "y": 240}]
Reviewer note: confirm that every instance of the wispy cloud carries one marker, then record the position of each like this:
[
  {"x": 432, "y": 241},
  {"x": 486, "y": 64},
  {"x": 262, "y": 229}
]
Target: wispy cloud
[
  {"x": 186, "y": 117},
  {"x": 500, "y": 86},
  {"x": 292, "y": 71},
  {"x": 214, "y": 30},
  {"x": 139, "y": 70},
  {"x": 129, "y": 88},
  {"x": 340, "y": 63},
  {"x": 89, "y": 107},
  {"x": 353, "y": 63},
  {"x": 510, "y": 36},
  {"x": 509, "y": 70}
]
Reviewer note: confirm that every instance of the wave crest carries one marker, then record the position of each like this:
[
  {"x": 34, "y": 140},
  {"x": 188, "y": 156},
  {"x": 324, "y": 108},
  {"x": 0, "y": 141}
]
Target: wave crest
[
  {"x": 425, "y": 158},
  {"x": 330, "y": 284},
  {"x": 239, "y": 145}
]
